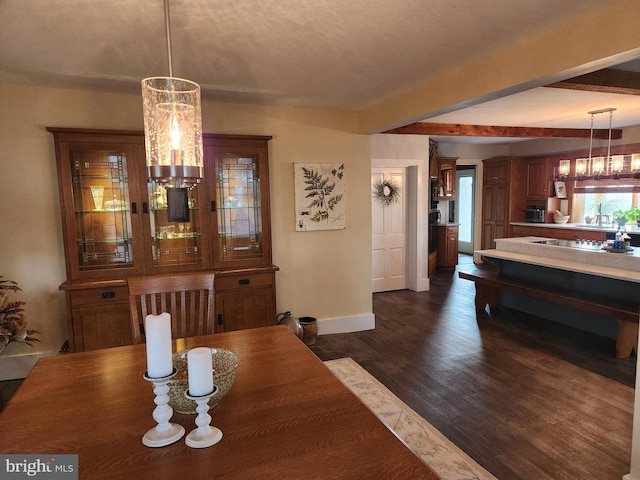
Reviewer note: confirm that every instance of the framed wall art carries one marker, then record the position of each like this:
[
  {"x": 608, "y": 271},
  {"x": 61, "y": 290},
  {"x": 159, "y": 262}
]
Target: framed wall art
[
  {"x": 319, "y": 196},
  {"x": 561, "y": 189}
]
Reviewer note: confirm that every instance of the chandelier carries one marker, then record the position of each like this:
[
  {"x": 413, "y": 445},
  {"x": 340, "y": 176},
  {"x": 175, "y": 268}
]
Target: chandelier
[
  {"x": 172, "y": 127},
  {"x": 600, "y": 167}
]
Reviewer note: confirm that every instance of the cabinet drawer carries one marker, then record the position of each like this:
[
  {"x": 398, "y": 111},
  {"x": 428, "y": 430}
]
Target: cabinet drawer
[
  {"x": 519, "y": 231},
  {"x": 95, "y": 296},
  {"x": 239, "y": 281}
]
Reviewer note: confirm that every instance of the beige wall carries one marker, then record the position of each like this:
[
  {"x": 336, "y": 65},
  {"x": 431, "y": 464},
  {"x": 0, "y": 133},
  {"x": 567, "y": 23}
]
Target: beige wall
[{"x": 323, "y": 274}]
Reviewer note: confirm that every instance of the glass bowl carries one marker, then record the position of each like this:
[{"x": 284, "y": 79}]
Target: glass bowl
[{"x": 225, "y": 364}]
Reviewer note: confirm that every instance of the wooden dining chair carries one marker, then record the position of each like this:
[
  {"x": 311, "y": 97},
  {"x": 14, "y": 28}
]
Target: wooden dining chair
[{"x": 187, "y": 297}]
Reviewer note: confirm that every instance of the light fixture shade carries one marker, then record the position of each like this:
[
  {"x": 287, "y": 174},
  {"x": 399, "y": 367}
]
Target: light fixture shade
[
  {"x": 635, "y": 162},
  {"x": 581, "y": 166},
  {"x": 617, "y": 163},
  {"x": 597, "y": 165},
  {"x": 172, "y": 130},
  {"x": 564, "y": 167}
]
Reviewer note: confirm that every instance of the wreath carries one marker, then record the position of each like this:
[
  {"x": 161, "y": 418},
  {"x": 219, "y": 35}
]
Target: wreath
[{"x": 386, "y": 192}]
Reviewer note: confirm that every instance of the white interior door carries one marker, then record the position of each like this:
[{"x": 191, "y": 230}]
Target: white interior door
[{"x": 389, "y": 224}]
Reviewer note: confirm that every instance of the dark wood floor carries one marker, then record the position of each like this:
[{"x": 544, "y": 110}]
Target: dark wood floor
[{"x": 526, "y": 398}]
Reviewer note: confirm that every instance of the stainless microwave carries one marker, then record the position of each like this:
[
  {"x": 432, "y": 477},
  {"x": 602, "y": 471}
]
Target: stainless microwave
[{"x": 534, "y": 215}]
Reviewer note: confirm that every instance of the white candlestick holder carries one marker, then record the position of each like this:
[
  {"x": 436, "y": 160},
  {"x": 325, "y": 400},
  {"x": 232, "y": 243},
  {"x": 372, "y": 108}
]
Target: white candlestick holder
[
  {"x": 205, "y": 435},
  {"x": 164, "y": 433}
]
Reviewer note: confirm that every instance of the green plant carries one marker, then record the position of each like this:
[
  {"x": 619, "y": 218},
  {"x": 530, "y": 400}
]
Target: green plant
[
  {"x": 13, "y": 324},
  {"x": 631, "y": 215}
]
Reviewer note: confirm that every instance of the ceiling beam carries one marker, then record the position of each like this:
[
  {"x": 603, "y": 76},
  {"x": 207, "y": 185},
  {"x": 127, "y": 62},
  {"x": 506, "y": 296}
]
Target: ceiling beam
[
  {"x": 608, "y": 80},
  {"x": 456, "y": 130}
]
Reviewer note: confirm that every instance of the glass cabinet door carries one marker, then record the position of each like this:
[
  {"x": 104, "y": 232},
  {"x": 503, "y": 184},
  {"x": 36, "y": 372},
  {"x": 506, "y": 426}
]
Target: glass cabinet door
[
  {"x": 239, "y": 215},
  {"x": 241, "y": 206},
  {"x": 102, "y": 229},
  {"x": 176, "y": 243}
]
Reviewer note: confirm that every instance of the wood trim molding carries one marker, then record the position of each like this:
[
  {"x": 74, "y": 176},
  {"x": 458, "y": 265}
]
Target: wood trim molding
[
  {"x": 608, "y": 80},
  {"x": 452, "y": 130}
]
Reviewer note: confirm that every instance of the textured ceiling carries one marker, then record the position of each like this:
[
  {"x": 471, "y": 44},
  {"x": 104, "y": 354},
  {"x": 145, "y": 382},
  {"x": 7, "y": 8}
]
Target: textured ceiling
[{"x": 336, "y": 54}]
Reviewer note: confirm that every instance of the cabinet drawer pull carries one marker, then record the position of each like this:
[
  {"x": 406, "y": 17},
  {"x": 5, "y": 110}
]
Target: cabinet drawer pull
[
  {"x": 244, "y": 281},
  {"x": 108, "y": 294},
  {"x": 134, "y": 207},
  {"x": 145, "y": 207},
  {"x": 213, "y": 205},
  {"x": 219, "y": 319}
]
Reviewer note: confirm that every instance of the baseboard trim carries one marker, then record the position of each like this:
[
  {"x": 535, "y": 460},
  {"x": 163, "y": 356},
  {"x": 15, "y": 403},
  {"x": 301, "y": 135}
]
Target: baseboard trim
[{"x": 355, "y": 323}]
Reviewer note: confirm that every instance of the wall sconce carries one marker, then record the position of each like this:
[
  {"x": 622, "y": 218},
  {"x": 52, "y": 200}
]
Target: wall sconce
[{"x": 564, "y": 167}]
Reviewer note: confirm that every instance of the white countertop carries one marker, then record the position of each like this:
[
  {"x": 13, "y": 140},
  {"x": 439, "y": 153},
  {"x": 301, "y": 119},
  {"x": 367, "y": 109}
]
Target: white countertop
[
  {"x": 578, "y": 226},
  {"x": 622, "y": 266}
]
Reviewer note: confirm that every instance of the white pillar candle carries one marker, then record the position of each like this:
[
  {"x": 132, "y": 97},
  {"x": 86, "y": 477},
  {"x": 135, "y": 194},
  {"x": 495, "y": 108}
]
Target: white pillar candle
[
  {"x": 200, "y": 371},
  {"x": 157, "y": 329}
]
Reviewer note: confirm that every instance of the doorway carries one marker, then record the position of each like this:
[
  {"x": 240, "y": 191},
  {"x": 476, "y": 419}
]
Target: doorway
[
  {"x": 389, "y": 232},
  {"x": 464, "y": 206}
]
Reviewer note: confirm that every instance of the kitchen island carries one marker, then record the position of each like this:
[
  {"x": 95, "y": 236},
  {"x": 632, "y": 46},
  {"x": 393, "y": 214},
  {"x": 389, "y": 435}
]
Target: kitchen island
[
  {"x": 583, "y": 257},
  {"x": 596, "y": 289},
  {"x": 573, "y": 231}
]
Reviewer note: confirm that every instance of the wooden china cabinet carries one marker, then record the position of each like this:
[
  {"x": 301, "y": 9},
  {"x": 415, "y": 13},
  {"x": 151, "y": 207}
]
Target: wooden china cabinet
[{"x": 116, "y": 224}]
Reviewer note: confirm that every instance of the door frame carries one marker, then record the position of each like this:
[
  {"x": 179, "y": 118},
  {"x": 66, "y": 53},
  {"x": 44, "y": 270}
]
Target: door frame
[
  {"x": 403, "y": 201},
  {"x": 462, "y": 172},
  {"x": 417, "y": 185}
]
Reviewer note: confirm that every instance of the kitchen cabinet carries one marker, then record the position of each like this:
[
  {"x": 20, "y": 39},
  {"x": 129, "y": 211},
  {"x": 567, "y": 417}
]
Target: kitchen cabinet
[
  {"x": 502, "y": 197},
  {"x": 447, "y": 178},
  {"x": 116, "y": 224},
  {"x": 558, "y": 233},
  {"x": 537, "y": 186},
  {"x": 447, "y": 246},
  {"x": 496, "y": 171},
  {"x": 433, "y": 160},
  {"x": 495, "y": 221}
]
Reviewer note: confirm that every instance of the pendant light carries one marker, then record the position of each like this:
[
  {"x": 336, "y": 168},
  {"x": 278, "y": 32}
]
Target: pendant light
[
  {"x": 599, "y": 164},
  {"x": 172, "y": 127}
]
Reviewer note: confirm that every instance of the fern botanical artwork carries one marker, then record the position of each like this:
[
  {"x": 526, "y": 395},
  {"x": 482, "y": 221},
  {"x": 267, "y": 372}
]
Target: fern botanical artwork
[{"x": 319, "y": 196}]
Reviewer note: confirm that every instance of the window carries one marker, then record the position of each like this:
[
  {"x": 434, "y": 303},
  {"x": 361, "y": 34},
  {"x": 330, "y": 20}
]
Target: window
[{"x": 587, "y": 206}]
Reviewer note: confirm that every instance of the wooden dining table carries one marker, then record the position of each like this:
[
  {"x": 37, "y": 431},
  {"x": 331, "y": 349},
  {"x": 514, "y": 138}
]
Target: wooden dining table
[{"x": 286, "y": 417}]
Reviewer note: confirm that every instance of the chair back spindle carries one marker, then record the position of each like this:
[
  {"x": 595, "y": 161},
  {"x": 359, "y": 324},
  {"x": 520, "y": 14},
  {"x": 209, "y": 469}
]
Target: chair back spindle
[{"x": 188, "y": 298}]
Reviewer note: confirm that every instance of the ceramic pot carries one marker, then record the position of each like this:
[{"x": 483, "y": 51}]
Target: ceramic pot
[{"x": 292, "y": 323}]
